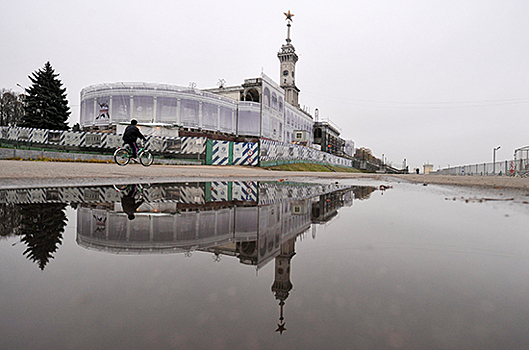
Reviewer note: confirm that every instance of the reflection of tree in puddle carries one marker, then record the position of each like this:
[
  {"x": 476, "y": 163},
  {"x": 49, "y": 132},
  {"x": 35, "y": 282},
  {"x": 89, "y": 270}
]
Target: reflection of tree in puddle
[
  {"x": 40, "y": 226},
  {"x": 363, "y": 192},
  {"x": 41, "y": 229},
  {"x": 11, "y": 218}
]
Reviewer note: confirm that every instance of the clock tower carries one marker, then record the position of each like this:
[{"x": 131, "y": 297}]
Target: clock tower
[{"x": 288, "y": 58}]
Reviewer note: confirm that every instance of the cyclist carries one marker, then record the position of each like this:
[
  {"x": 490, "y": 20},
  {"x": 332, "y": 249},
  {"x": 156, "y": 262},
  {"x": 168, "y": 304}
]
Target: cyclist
[
  {"x": 131, "y": 135},
  {"x": 129, "y": 203}
]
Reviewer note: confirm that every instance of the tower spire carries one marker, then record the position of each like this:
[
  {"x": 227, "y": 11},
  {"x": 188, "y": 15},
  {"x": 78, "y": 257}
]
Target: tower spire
[
  {"x": 288, "y": 58},
  {"x": 289, "y": 21}
]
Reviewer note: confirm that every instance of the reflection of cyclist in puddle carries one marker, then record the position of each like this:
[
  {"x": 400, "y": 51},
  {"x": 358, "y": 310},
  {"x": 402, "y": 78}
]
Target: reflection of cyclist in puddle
[{"x": 129, "y": 202}]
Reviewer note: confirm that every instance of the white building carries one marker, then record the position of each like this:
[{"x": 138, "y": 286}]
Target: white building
[{"x": 258, "y": 108}]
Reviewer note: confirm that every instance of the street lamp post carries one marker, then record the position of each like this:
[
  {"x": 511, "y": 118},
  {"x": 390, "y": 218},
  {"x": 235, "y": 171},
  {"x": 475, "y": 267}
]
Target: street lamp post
[
  {"x": 494, "y": 159},
  {"x": 23, "y": 88}
]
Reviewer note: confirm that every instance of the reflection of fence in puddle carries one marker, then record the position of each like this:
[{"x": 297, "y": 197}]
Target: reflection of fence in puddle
[{"x": 188, "y": 193}]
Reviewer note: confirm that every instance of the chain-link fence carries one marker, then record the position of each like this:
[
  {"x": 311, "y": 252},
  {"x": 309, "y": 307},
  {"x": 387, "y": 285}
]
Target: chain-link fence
[
  {"x": 518, "y": 166},
  {"x": 503, "y": 168}
]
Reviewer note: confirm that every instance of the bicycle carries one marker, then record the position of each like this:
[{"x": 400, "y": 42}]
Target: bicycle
[
  {"x": 123, "y": 155},
  {"x": 137, "y": 189}
]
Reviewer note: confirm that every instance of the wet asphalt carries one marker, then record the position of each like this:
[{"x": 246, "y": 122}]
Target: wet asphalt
[{"x": 35, "y": 174}]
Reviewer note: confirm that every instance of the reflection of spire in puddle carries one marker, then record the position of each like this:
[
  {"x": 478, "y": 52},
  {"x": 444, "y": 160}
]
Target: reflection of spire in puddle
[
  {"x": 281, "y": 325},
  {"x": 282, "y": 285}
]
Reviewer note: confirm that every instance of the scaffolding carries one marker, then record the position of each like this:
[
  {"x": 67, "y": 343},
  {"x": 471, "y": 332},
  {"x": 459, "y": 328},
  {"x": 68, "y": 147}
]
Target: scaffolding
[{"x": 521, "y": 162}]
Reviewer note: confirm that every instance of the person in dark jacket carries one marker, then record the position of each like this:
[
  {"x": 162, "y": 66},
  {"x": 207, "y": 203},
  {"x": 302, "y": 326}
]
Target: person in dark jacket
[
  {"x": 131, "y": 135},
  {"x": 129, "y": 202}
]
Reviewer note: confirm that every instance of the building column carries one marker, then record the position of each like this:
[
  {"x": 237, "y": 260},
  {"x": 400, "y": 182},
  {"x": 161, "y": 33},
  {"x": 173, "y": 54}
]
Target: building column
[
  {"x": 131, "y": 112},
  {"x": 200, "y": 114},
  {"x": 155, "y": 109},
  {"x": 218, "y": 118},
  {"x": 178, "y": 105},
  {"x": 110, "y": 114},
  {"x": 95, "y": 111}
]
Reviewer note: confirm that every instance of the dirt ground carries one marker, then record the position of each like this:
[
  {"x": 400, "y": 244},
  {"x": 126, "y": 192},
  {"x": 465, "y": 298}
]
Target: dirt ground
[
  {"x": 506, "y": 182},
  {"x": 14, "y": 174}
]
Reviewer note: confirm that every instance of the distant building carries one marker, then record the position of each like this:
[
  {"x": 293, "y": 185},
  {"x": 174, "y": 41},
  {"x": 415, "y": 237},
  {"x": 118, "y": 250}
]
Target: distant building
[
  {"x": 328, "y": 137},
  {"x": 349, "y": 148},
  {"x": 427, "y": 168}
]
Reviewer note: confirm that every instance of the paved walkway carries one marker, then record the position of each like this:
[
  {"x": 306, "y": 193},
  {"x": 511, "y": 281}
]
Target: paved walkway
[
  {"x": 18, "y": 174},
  {"x": 15, "y": 174}
]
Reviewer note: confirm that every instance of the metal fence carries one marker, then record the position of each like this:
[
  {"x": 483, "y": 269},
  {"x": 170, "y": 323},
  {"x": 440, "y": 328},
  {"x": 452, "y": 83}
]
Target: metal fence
[
  {"x": 519, "y": 166},
  {"x": 521, "y": 161},
  {"x": 503, "y": 168}
]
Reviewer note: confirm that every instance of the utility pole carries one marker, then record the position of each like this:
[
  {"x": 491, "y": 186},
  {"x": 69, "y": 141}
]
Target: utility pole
[{"x": 494, "y": 159}]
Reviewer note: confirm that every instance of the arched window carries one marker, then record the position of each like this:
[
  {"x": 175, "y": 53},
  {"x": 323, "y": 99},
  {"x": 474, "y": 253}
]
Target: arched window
[{"x": 251, "y": 95}]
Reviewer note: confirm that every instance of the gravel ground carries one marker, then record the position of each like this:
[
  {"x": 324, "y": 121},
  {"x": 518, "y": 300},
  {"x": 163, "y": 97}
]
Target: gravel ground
[
  {"x": 18, "y": 174},
  {"x": 504, "y": 182}
]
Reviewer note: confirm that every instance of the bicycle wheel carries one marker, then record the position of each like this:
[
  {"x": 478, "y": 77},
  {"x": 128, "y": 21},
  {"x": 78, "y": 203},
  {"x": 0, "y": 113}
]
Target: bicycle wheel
[
  {"x": 120, "y": 188},
  {"x": 121, "y": 157},
  {"x": 146, "y": 158}
]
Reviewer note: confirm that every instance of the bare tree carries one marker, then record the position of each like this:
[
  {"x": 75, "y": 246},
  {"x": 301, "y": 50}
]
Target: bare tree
[{"x": 11, "y": 107}]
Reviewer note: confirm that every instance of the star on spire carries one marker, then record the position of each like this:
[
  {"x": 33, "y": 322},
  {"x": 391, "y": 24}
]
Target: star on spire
[
  {"x": 289, "y": 15},
  {"x": 281, "y": 328}
]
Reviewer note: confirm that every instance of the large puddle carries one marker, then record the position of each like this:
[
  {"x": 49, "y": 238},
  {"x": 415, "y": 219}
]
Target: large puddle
[{"x": 263, "y": 265}]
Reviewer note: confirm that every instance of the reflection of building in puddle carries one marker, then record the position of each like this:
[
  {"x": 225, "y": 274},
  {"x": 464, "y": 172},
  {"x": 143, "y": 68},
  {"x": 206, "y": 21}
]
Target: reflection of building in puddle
[
  {"x": 248, "y": 220},
  {"x": 325, "y": 207},
  {"x": 254, "y": 222}
]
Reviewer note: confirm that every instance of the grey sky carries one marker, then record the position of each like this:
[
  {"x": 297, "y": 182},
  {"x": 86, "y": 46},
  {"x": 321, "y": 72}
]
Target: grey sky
[{"x": 434, "y": 81}]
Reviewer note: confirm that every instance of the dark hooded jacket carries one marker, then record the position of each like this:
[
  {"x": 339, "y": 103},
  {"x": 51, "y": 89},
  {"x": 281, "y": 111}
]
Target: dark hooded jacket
[{"x": 132, "y": 133}]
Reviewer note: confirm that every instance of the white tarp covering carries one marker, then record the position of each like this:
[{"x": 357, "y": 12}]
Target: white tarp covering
[
  {"x": 155, "y": 103},
  {"x": 272, "y": 112},
  {"x": 249, "y": 118}
]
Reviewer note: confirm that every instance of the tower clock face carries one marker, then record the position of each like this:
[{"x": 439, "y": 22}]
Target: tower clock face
[{"x": 285, "y": 72}]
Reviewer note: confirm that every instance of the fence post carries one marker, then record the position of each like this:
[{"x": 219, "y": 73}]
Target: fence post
[
  {"x": 209, "y": 152},
  {"x": 230, "y": 153},
  {"x": 207, "y": 191}
]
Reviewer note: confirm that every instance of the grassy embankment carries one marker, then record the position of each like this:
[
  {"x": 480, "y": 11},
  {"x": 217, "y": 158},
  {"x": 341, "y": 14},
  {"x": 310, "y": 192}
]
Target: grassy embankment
[{"x": 312, "y": 167}]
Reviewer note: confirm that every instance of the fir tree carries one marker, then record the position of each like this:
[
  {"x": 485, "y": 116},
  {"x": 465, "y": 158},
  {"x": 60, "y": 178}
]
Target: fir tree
[{"x": 46, "y": 102}]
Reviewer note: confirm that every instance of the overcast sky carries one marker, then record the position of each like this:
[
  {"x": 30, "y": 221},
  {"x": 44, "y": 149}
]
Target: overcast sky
[{"x": 438, "y": 81}]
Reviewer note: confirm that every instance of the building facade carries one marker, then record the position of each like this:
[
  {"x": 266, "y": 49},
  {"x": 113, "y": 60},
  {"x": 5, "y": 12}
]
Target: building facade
[{"x": 258, "y": 108}]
